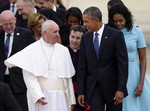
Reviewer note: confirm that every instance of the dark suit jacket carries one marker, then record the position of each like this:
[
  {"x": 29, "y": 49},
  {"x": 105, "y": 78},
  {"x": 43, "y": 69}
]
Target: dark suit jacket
[
  {"x": 7, "y": 100},
  {"x": 74, "y": 57},
  {"x": 2, "y": 4},
  {"x": 110, "y": 70},
  {"x": 7, "y": 7},
  {"x": 22, "y": 38},
  {"x": 51, "y": 15},
  {"x": 61, "y": 13}
]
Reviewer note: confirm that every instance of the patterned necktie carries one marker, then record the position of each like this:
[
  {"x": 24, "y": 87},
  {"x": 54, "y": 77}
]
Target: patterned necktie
[
  {"x": 7, "y": 44},
  {"x": 96, "y": 44}
]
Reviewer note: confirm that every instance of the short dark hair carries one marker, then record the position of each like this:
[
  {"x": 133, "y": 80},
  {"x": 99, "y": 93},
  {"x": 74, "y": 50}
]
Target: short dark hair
[
  {"x": 79, "y": 28},
  {"x": 93, "y": 12}
]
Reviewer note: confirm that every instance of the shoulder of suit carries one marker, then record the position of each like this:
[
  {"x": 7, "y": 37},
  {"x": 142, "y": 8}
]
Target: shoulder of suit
[{"x": 23, "y": 29}]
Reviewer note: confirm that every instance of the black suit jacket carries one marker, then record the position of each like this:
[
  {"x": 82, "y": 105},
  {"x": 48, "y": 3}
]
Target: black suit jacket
[
  {"x": 110, "y": 70},
  {"x": 22, "y": 38},
  {"x": 50, "y": 14},
  {"x": 2, "y": 4},
  {"x": 61, "y": 13},
  {"x": 7, "y": 100}
]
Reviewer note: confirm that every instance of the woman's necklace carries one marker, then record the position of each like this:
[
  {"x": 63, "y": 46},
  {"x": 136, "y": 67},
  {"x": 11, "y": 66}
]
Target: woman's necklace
[{"x": 48, "y": 60}]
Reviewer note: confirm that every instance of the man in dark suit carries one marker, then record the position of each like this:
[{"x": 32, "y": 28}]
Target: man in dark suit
[
  {"x": 12, "y": 40},
  {"x": 7, "y": 100},
  {"x": 25, "y": 12},
  {"x": 11, "y": 5},
  {"x": 103, "y": 64},
  {"x": 49, "y": 4},
  {"x": 61, "y": 13}
]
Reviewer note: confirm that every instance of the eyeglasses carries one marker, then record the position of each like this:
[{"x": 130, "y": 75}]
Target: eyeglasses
[{"x": 8, "y": 24}]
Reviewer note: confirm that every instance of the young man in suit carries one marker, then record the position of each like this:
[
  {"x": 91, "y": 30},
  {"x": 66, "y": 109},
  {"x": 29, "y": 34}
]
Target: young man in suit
[
  {"x": 7, "y": 100},
  {"x": 103, "y": 64},
  {"x": 12, "y": 40}
]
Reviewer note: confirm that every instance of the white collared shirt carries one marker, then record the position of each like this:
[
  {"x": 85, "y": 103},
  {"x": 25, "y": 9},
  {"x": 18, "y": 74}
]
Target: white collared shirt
[{"x": 100, "y": 32}]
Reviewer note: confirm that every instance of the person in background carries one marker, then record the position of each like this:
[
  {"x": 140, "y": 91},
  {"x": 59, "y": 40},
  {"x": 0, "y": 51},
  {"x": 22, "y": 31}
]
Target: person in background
[
  {"x": 76, "y": 33},
  {"x": 48, "y": 5},
  {"x": 26, "y": 8},
  {"x": 11, "y": 5},
  {"x": 73, "y": 17},
  {"x": 12, "y": 40},
  {"x": 7, "y": 100},
  {"x": 138, "y": 86},
  {"x": 103, "y": 64},
  {"x": 59, "y": 4},
  {"x": 113, "y": 2},
  {"x": 34, "y": 23},
  {"x": 47, "y": 72}
]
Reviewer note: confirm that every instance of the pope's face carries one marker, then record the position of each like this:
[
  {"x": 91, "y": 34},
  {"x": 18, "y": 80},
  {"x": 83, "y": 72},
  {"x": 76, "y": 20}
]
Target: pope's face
[{"x": 52, "y": 34}]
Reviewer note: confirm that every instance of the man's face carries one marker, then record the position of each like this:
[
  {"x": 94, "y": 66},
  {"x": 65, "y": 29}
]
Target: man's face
[
  {"x": 23, "y": 9},
  {"x": 44, "y": 4},
  {"x": 51, "y": 35},
  {"x": 89, "y": 22},
  {"x": 75, "y": 39},
  {"x": 8, "y": 24}
]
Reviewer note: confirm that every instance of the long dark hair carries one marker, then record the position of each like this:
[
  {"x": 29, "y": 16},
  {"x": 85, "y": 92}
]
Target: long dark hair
[
  {"x": 123, "y": 10},
  {"x": 75, "y": 12}
]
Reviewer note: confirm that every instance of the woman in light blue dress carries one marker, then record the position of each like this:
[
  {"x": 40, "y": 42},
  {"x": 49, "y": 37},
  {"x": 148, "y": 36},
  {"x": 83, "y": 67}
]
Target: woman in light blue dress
[{"x": 138, "y": 98}]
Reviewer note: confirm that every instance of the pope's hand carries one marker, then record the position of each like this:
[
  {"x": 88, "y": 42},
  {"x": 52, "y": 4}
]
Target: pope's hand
[{"x": 42, "y": 101}]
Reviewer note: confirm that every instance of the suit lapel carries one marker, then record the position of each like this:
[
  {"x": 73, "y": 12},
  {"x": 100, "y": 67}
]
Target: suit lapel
[
  {"x": 91, "y": 45},
  {"x": 104, "y": 40}
]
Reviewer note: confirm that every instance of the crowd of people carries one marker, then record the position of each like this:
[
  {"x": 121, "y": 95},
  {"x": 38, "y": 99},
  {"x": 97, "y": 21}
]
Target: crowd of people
[{"x": 58, "y": 59}]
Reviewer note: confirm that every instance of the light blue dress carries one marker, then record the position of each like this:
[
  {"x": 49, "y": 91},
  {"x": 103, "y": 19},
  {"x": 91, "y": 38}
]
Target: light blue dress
[{"x": 134, "y": 40}]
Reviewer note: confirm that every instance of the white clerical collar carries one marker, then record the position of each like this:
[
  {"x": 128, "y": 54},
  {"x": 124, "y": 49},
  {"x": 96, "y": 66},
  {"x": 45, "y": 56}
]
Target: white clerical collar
[{"x": 45, "y": 43}]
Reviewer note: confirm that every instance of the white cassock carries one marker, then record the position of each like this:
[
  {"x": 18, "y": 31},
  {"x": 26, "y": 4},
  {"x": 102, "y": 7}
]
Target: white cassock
[{"x": 47, "y": 71}]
